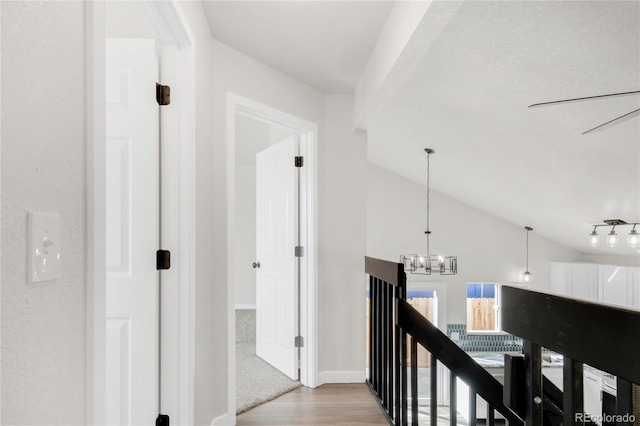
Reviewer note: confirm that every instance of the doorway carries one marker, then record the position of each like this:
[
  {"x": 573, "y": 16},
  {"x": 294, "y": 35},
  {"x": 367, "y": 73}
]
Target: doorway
[
  {"x": 165, "y": 23},
  {"x": 267, "y": 125},
  {"x": 266, "y": 270}
]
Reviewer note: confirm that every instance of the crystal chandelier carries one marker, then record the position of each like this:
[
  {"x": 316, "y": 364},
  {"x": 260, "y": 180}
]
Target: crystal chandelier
[{"x": 425, "y": 264}]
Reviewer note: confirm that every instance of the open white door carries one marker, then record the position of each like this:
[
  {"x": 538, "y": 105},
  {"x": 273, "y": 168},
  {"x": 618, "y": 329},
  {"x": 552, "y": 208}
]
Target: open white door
[
  {"x": 276, "y": 240},
  {"x": 132, "y": 232}
]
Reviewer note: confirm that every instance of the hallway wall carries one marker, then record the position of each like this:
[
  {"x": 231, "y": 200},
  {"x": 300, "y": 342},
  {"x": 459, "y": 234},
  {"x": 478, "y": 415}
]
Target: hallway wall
[
  {"x": 340, "y": 208},
  {"x": 43, "y": 169}
]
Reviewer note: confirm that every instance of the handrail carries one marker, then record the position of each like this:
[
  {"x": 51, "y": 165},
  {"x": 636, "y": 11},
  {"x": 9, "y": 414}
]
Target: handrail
[
  {"x": 390, "y": 272},
  {"x": 578, "y": 329},
  {"x": 454, "y": 358}
]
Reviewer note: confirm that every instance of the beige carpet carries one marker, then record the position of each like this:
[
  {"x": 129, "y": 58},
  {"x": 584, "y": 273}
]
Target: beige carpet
[{"x": 256, "y": 381}]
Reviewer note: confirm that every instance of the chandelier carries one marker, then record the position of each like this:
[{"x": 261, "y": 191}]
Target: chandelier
[
  {"x": 633, "y": 238},
  {"x": 425, "y": 264}
]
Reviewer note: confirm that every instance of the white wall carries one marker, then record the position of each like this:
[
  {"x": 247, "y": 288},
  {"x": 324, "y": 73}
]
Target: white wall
[
  {"x": 613, "y": 260},
  {"x": 341, "y": 188},
  {"x": 43, "y": 168},
  {"x": 488, "y": 249},
  {"x": 342, "y": 244}
]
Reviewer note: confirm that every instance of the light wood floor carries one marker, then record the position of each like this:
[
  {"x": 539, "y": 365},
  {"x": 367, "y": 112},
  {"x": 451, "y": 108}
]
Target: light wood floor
[{"x": 332, "y": 404}]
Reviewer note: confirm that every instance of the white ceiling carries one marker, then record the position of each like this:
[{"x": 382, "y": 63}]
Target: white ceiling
[
  {"x": 467, "y": 98},
  {"x": 325, "y": 44}
]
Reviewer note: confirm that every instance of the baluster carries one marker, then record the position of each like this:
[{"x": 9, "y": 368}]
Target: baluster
[
  {"x": 389, "y": 327},
  {"x": 397, "y": 363},
  {"x": 383, "y": 350},
  {"x": 491, "y": 416},
  {"x": 573, "y": 392},
  {"x": 405, "y": 381},
  {"x": 533, "y": 367},
  {"x": 414, "y": 383},
  {"x": 453, "y": 399},
  {"x": 371, "y": 316},
  {"x": 624, "y": 399},
  {"x": 434, "y": 391},
  {"x": 473, "y": 416},
  {"x": 375, "y": 313}
]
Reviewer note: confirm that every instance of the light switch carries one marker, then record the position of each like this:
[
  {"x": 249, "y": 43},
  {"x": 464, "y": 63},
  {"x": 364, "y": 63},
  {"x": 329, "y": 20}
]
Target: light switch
[{"x": 44, "y": 246}]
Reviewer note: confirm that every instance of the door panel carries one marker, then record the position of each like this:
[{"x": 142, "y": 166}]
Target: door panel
[
  {"x": 132, "y": 232},
  {"x": 276, "y": 238}
]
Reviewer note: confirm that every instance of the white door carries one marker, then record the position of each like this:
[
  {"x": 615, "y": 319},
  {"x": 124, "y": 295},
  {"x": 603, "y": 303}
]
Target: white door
[
  {"x": 276, "y": 239},
  {"x": 132, "y": 232}
]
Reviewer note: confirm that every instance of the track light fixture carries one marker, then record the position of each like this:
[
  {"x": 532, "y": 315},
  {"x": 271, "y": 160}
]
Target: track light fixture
[
  {"x": 612, "y": 240},
  {"x": 425, "y": 264}
]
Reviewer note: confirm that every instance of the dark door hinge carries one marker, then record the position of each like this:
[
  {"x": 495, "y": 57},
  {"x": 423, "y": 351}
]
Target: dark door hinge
[
  {"x": 163, "y": 259},
  {"x": 163, "y": 94},
  {"x": 299, "y": 342},
  {"x": 162, "y": 420},
  {"x": 299, "y": 251},
  {"x": 299, "y": 161}
]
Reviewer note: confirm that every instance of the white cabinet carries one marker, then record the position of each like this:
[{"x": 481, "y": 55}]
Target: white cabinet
[
  {"x": 634, "y": 281},
  {"x": 614, "y": 285},
  {"x": 619, "y": 285},
  {"x": 578, "y": 280}
]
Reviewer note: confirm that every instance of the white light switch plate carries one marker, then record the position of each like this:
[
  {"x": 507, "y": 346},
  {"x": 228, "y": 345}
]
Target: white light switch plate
[{"x": 44, "y": 246}]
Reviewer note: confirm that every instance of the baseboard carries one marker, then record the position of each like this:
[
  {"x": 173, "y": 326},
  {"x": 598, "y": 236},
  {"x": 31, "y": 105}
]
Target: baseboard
[
  {"x": 225, "y": 419},
  {"x": 341, "y": 377},
  {"x": 243, "y": 306}
]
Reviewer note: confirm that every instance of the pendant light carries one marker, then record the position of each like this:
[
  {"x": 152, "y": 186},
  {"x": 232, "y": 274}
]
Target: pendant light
[
  {"x": 425, "y": 264},
  {"x": 527, "y": 275}
]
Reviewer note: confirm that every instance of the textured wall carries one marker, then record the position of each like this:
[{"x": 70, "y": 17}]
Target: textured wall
[{"x": 43, "y": 168}]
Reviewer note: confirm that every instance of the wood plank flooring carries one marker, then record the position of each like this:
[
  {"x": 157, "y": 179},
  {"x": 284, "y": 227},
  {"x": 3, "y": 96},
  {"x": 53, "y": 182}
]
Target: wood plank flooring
[{"x": 331, "y": 404}]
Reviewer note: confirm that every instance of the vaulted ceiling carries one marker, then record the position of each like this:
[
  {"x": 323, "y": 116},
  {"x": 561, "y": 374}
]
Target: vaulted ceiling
[{"x": 466, "y": 95}]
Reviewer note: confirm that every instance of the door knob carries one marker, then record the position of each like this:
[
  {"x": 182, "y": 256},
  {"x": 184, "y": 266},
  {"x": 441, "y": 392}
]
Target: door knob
[{"x": 255, "y": 265}]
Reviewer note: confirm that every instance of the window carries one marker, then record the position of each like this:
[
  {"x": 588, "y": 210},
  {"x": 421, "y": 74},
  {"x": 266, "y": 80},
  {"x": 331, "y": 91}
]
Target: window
[{"x": 483, "y": 308}]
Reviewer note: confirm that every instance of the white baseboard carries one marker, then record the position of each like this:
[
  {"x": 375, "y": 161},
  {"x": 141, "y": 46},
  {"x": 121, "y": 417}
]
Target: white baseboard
[
  {"x": 225, "y": 419},
  {"x": 341, "y": 377},
  {"x": 243, "y": 306}
]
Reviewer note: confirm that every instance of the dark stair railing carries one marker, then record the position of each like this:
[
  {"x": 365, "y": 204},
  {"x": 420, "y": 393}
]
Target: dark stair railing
[
  {"x": 601, "y": 336},
  {"x": 392, "y": 319},
  {"x": 584, "y": 332}
]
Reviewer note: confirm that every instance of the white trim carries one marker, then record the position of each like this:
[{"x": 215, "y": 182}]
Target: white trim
[
  {"x": 308, "y": 192},
  {"x": 225, "y": 419},
  {"x": 243, "y": 306},
  {"x": 357, "y": 376},
  {"x": 168, "y": 22}
]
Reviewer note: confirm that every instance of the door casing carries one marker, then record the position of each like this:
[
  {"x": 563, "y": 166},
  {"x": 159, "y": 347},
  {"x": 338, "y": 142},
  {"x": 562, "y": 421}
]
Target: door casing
[
  {"x": 172, "y": 32},
  {"x": 307, "y": 132}
]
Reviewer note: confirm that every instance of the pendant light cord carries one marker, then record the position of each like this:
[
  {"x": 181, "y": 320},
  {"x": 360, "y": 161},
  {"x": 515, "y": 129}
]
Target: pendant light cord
[
  {"x": 428, "y": 194},
  {"x": 527, "y": 250}
]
